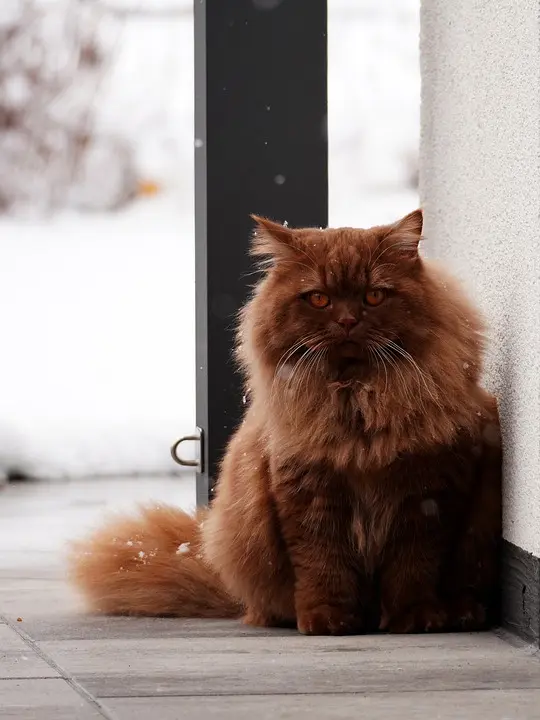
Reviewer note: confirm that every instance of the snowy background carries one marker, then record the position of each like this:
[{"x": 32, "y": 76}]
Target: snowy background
[{"x": 97, "y": 265}]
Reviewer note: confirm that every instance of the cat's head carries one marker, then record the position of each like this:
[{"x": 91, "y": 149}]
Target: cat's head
[{"x": 345, "y": 302}]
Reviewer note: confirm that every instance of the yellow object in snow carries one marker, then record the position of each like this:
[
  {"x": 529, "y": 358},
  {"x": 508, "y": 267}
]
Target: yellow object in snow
[{"x": 148, "y": 188}]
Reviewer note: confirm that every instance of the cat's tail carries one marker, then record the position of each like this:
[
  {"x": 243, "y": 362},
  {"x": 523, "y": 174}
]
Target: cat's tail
[{"x": 150, "y": 564}]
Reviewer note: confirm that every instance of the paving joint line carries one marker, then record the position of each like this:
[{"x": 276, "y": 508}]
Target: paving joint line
[{"x": 64, "y": 674}]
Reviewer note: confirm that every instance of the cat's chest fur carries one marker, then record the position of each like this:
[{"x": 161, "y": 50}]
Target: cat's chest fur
[
  {"x": 376, "y": 499},
  {"x": 432, "y": 486}
]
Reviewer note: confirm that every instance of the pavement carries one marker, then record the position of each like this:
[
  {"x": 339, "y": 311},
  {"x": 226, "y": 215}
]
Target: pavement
[{"x": 57, "y": 662}]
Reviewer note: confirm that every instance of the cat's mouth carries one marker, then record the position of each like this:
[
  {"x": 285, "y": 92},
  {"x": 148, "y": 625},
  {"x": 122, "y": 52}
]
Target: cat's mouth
[
  {"x": 350, "y": 350},
  {"x": 347, "y": 360},
  {"x": 349, "y": 367},
  {"x": 350, "y": 360}
]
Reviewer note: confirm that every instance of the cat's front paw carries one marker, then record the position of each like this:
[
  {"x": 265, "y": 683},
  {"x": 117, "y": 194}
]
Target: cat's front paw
[
  {"x": 466, "y": 613},
  {"x": 260, "y": 619},
  {"x": 420, "y": 618},
  {"x": 328, "y": 620}
]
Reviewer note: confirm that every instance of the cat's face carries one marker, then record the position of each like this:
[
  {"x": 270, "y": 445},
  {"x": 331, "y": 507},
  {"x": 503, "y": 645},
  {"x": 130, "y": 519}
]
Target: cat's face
[{"x": 341, "y": 300}]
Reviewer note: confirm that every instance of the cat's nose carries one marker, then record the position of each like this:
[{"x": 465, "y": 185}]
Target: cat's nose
[{"x": 347, "y": 322}]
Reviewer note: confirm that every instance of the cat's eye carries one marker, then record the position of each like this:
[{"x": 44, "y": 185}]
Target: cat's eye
[
  {"x": 374, "y": 297},
  {"x": 318, "y": 300}
]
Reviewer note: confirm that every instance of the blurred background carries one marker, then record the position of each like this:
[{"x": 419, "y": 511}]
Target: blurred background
[{"x": 97, "y": 369}]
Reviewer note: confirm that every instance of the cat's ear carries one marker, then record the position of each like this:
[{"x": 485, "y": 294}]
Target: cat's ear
[
  {"x": 272, "y": 239},
  {"x": 406, "y": 234},
  {"x": 411, "y": 224}
]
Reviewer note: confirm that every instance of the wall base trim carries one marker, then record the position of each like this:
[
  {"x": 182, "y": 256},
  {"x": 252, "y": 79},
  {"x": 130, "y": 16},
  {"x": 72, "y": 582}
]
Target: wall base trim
[{"x": 520, "y": 580}]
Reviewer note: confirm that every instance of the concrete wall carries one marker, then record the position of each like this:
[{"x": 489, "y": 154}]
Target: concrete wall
[{"x": 480, "y": 186}]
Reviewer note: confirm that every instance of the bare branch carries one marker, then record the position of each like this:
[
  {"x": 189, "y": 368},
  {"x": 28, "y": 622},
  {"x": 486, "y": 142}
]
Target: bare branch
[{"x": 173, "y": 11}]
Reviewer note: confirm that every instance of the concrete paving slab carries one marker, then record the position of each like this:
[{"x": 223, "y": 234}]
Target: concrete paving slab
[
  {"x": 78, "y": 626},
  {"x": 43, "y": 700},
  {"x": 294, "y": 665},
  {"x": 468, "y": 705},
  {"x": 18, "y": 660}
]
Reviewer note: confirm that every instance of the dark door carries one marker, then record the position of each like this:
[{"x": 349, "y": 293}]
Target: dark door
[{"x": 260, "y": 147}]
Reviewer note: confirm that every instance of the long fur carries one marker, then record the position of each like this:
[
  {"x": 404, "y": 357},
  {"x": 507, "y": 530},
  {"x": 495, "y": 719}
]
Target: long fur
[
  {"x": 150, "y": 564},
  {"x": 362, "y": 489}
]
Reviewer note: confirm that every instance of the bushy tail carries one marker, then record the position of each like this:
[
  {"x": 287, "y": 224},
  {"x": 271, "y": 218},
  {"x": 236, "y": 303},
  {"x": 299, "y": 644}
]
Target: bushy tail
[{"x": 150, "y": 564}]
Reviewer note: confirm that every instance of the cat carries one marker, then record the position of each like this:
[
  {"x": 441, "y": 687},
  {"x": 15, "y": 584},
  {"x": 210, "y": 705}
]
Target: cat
[{"x": 362, "y": 490}]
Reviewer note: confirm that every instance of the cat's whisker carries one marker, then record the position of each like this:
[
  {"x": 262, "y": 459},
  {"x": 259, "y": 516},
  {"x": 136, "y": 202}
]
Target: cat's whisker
[
  {"x": 287, "y": 355},
  {"x": 290, "y": 352},
  {"x": 300, "y": 264},
  {"x": 291, "y": 383},
  {"x": 303, "y": 375},
  {"x": 322, "y": 358},
  {"x": 407, "y": 391},
  {"x": 267, "y": 265},
  {"x": 297, "y": 344},
  {"x": 420, "y": 377},
  {"x": 309, "y": 256},
  {"x": 427, "y": 380},
  {"x": 374, "y": 352},
  {"x": 299, "y": 367},
  {"x": 299, "y": 363},
  {"x": 304, "y": 367},
  {"x": 403, "y": 244},
  {"x": 388, "y": 346},
  {"x": 385, "y": 265},
  {"x": 314, "y": 337},
  {"x": 260, "y": 267},
  {"x": 316, "y": 363},
  {"x": 405, "y": 378}
]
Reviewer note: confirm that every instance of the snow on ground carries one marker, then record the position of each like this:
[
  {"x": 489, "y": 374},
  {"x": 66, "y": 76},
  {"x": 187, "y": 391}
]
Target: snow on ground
[
  {"x": 97, "y": 316},
  {"x": 97, "y": 311},
  {"x": 36, "y": 520}
]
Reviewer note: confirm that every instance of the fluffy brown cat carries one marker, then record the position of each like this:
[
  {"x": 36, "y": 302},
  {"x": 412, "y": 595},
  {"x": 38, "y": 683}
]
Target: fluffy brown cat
[{"x": 362, "y": 488}]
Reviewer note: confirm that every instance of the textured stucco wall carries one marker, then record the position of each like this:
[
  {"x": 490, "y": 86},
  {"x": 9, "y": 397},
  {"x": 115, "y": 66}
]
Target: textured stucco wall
[{"x": 480, "y": 187}]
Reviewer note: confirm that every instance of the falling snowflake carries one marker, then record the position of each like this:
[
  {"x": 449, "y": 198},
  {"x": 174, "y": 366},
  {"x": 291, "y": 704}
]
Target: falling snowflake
[{"x": 183, "y": 549}]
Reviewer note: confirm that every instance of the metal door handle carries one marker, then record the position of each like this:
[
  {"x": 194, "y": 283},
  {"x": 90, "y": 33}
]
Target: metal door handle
[{"x": 189, "y": 463}]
